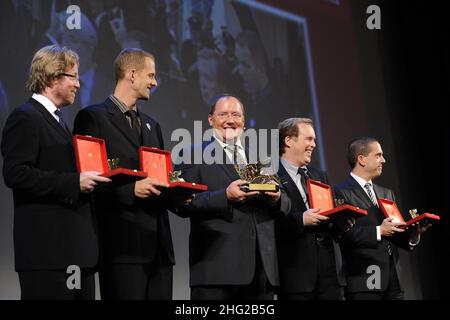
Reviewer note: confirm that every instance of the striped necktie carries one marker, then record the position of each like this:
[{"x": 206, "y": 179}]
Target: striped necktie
[{"x": 372, "y": 197}]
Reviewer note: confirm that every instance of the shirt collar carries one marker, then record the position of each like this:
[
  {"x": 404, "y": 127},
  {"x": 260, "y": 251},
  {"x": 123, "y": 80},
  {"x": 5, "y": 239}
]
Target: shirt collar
[
  {"x": 290, "y": 167},
  {"x": 46, "y": 102},
  {"x": 119, "y": 104},
  {"x": 225, "y": 145},
  {"x": 360, "y": 180}
]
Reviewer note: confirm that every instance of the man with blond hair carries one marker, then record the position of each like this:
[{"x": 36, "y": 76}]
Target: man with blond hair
[
  {"x": 134, "y": 225},
  {"x": 55, "y": 239}
]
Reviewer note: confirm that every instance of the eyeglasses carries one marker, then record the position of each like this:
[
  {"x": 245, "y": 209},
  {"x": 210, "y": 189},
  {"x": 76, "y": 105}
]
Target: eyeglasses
[
  {"x": 225, "y": 115},
  {"x": 71, "y": 76}
]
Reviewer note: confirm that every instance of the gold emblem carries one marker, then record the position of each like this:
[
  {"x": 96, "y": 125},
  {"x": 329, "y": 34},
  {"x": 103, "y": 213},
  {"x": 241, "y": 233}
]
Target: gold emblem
[{"x": 113, "y": 163}]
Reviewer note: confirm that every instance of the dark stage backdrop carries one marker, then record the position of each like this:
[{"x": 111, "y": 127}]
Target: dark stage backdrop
[{"x": 313, "y": 58}]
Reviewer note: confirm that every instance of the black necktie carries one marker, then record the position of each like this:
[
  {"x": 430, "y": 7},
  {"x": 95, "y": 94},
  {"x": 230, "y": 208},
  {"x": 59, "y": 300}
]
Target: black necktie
[
  {"x": 304, "y": 176},
  {"x": 135, "y": 126},
  {"x": 61, "y": 121}
]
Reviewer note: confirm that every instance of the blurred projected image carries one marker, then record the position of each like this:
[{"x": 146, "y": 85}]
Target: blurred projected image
[{"x": 203, "y": 48}]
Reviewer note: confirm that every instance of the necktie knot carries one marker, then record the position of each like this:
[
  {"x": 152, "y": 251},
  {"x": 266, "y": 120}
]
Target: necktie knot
[
  {"x": 303, "y": 172},
  {"x": 132, "y": 114}
]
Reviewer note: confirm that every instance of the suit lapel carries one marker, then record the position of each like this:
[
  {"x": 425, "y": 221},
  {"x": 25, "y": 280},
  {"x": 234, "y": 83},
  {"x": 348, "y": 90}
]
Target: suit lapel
[
  {"x": 148, "y": 132},
  {"x": 228, "y": 169},
  {"x": 359, "y": 192},
  {"x": 379, "y": 191},
  {"x": 119, "y": 120},
  {"x": 290, "y": 186},
  {"x": 314, "y": 174},
  {"x": 51, "y": 120}
]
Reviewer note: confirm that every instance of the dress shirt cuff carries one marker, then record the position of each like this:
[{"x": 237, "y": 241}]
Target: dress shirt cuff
[{"x": 378, "y": 233}]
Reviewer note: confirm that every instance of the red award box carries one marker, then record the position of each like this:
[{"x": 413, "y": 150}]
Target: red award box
[
  {"x": 320, "y": 196},
  {"x": 158, "y": 164},
  {"x": 390, "y": 209},
  {"x": 90, "y": 154}
]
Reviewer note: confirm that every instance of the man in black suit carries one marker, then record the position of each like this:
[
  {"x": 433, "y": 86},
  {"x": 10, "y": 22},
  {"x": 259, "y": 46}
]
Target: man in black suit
[
  {"x": 232, "y": 241},
  {"x": 309, "y": 255},
  {"x": 136, "y": 243},
  {"x": 53, "y": 225},
  {"x": 370, "y": 247}
]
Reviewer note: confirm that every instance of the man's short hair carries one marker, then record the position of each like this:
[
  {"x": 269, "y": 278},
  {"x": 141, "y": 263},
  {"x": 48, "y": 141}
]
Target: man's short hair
[
  {"x": 130, "y": 58},
  {"x": 49, "y": 63},
  {"x": 357, "y": 147},
  {"x": 216, "y": 99},
  {"x": 289, "y": 128}
]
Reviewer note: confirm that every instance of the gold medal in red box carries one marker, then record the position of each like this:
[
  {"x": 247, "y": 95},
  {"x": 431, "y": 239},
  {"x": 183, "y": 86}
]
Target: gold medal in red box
[
  {"x": 90, "y": 154},
  {"x": 390, "y": 210},
  {"x": 321, "y": 197},
  {"x": 157, "y": 164}
]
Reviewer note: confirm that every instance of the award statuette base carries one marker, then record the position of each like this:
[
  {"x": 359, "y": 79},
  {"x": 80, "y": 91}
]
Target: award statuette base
[{"x": 262, "y": 187}]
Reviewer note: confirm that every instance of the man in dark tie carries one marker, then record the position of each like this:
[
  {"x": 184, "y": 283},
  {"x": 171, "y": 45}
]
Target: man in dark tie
[
  {"x": 134, "y": 225},
  {"x": 54, "y": 230},
  {"x": 309, "y": 256},
  {"x": 372, "y": 242}
]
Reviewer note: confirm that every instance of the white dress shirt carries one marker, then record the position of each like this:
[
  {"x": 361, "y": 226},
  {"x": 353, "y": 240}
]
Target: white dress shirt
[
  {"x": 228, "y": 148},
  {"x": 47, "y": 103}
]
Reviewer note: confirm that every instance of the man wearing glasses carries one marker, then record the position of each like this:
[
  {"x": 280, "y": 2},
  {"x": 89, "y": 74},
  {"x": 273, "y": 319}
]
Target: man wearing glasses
[
  {"x": 53, "y": 225},
  {"x": 232, "y": 240}
]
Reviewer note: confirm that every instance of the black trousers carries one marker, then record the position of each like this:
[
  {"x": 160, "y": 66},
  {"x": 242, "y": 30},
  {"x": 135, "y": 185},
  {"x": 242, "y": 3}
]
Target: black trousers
[
  {"x": 327, "y": 285},
  {"x": 392, "y": 292},
  {"x": 52, "y": 285},
  {"x": 150, "y": 281},
  {"x": 259, "y": 289}
]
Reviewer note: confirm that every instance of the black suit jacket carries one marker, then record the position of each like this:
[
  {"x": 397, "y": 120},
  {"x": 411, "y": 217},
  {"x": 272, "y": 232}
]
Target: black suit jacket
[
  {"x": 297, "y": 251},
  {"x": 360, "y": 246},
  {"x": 132, "y": 230},
  {"x": 224, "y": 237},
  {"x": 53, "y": 224}
]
